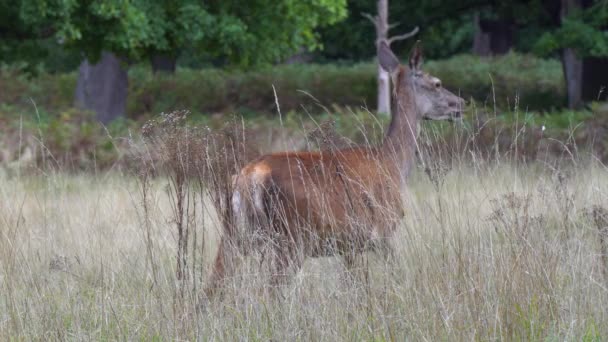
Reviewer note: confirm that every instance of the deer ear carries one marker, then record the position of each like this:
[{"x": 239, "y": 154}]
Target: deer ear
[
  {"x": 416, "y": 57},
  {"x": 387, "y": 59}
]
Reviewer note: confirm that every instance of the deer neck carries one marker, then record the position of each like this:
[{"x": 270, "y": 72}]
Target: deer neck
[{"x": 400, "y": 141}]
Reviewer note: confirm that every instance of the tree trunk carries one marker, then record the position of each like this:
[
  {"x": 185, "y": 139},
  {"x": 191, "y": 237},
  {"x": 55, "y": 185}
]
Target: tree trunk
[
  {"x": 573, "y": 73},
  {"x": 492, "y": 37},
  {"x": 571, "y": 63},
  {"x": 102, "y": 88},
  {"x": 481, "y": 39},
  {"x": 384, "y": 92},
  {"x": 163, "y": 63},
  {"x": 384, "y": 84}
]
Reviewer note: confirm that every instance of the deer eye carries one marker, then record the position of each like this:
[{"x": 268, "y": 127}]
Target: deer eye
[{"x": 437, "y": 84}]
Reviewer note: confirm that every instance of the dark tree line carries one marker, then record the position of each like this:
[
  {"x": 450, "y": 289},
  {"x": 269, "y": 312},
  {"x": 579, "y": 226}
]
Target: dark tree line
[
  {"x": 575, "y": 31},
  {"x": 105, "y": 37},
  {"x": 109, "y": 35}
]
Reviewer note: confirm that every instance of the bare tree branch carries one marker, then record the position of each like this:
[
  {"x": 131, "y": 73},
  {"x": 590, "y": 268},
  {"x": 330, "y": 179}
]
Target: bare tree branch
[
  {"x": 393, "y": 25},
  {"x": 403, "y": 36},
  {"x": 373, "y": 19}
]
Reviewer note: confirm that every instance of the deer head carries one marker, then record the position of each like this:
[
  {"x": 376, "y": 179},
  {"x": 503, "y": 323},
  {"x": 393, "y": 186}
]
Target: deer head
[{"x": 431, "y": 100}]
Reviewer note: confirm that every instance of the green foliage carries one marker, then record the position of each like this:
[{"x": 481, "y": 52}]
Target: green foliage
[
  {"x": 69, "y": 139},
  {"x": 245, "y": 33},
  {"x": 298, "y": 87},
  {"x": 531, "y": 325},
  {"x": 592, "y": 333},
  {"x": 553, "y": 122},
  {"x": 445, "y": 29},
  {"x": 306, "y": 94},
  {"x": 261, "y": 32},
  {"x": 19, "y": 38},
  {"x": 537, "y": 85},
  {"x": 583, "y": 30},
  {"x": 438, "y": 44},
  {"x": 51, "y": 91}
]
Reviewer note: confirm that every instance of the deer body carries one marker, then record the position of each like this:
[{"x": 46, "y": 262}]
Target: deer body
[
  {"x": 328, "y": 202},
  {"x": 317, "y": 195}
]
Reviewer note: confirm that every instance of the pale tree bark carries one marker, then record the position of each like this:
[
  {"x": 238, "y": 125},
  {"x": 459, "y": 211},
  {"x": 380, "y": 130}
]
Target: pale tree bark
[
  {"x": 384, "y": 83},
  {"x": 102, "y": 88},
  {"x": 571, "y": 63},
  {"x": 382, "y": 26}
]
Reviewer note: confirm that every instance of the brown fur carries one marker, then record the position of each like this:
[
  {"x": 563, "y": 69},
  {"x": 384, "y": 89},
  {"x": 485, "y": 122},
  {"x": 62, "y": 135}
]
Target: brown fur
[{"x": 323, "y": 203}]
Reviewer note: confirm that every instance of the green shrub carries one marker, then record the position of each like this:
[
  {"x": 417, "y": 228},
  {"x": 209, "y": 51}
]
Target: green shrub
[
  {"x": 297, "y": 87},
  {"x": 512, "y": 80},
  {"x": 50, "y": 91},
  {"x": 69, "y": 139},
  {"x": 507, "y": 81}
]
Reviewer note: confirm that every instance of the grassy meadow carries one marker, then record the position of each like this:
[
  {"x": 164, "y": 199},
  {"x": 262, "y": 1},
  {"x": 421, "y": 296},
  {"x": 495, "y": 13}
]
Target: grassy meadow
[
  {"x": 487, "y": 251},
  {"x": 505, "y": 235}
]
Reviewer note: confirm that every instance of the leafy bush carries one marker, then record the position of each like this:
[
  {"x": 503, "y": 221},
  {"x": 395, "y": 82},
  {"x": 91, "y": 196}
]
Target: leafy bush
[
  {"x": 528, "y": 82},
  {"x": 297, "y": 87},
  {"x": 69, "y": 140},
  {"x": 531, "y": 83},
  {"x": 50, "y": 91}
]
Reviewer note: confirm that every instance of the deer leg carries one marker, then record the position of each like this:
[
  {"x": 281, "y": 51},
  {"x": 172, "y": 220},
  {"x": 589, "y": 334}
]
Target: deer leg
[
  {"x": 350, "y": 256},
  {"x": 224, "y": 265},
  {"x": 287, "y": 259},
  {"x": 218, "y": 271},
  {"x": 383, "y": 247},
  {"x": 280, "y": 268},
  {"x": 387, "y": 250}
]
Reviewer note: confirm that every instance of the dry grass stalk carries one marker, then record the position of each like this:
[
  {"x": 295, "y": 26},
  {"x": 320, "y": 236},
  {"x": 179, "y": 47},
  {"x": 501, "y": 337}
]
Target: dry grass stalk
[{"x": 198, "y": 163}]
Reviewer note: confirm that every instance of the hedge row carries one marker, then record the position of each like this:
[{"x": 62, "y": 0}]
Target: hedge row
[
  {"x": 212, "y": 91},
  {"x": 532, "y": 83},
  {"x": 509, "y": 80}
]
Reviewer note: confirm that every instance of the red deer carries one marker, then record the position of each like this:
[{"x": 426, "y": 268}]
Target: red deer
[{"x": 309, "y": 204}]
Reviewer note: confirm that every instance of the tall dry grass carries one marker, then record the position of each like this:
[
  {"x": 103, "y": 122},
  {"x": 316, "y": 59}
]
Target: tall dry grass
[{"x": 498, "y": 250}]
